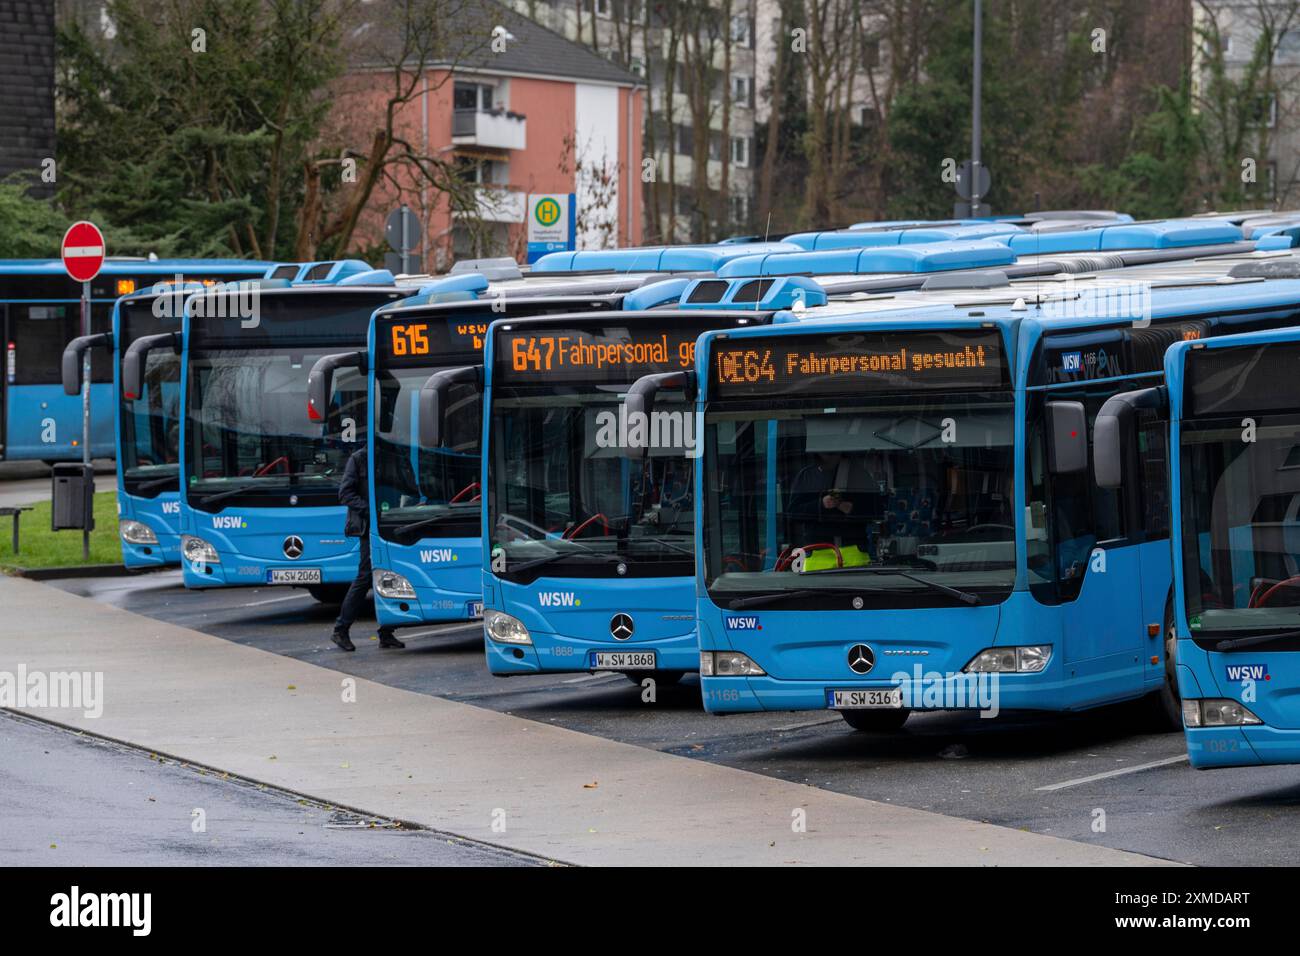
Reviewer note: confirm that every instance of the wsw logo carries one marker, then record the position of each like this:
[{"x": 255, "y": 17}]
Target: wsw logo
[
  {"x": 742, "y": 622},
  {"x": 229, "y": 521},
  {"x": 558, "y": 599},
  {"x": 171, "y": 507},
  {"x": 1240, "y": 672},
  {"x": 437, "y": 555}
]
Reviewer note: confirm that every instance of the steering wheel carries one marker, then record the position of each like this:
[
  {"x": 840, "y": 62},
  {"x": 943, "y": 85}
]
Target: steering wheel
[
  {"x": 784, "y": 561},
  {"x": 1263, "y": 598},
  {"x": 472, "y": 486},
  {"x": 577, "y": 529}
]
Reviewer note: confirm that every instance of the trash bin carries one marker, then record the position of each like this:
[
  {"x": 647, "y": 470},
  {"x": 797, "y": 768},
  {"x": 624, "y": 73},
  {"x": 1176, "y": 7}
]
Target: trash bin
[{"x": 71, "y": 497}]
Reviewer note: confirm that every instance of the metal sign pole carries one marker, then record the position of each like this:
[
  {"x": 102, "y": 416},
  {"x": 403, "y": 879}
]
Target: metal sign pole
[{"x": 88, "y": 518}]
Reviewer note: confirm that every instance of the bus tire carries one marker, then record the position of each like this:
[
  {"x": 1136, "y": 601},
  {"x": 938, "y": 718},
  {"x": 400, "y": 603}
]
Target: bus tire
[
  {"x": 328, "y": 593},
  {"x": 661, "y": 678},
  {"x": 877, "y": 721},
  {"x": 1164, "y": 706}
]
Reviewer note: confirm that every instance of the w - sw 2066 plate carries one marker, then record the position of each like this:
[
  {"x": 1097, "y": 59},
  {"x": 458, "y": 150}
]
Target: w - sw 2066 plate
[
  {"x": 293, "y": 576},
  {"x": 621, "y": 660}
]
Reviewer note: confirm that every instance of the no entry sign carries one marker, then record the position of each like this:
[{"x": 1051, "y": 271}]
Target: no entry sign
[{"x": 83, "y": 251}]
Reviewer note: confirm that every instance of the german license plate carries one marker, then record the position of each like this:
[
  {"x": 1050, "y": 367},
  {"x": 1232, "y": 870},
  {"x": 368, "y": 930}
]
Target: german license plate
[
  {"x": 293, "y": 576},
  {"x": 621, "y": 660},
  {"x": 473, "y": 608},
  {"x": 875, "y": 698}
]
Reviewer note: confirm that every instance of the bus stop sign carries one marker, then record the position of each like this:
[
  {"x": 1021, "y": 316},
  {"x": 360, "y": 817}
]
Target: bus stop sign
[{"x": 83, "y": 251}]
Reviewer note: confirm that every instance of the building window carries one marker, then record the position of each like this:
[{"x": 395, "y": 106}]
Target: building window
[
  {"x": 742, "y": 91},
  {"x": 741, "y": 34},
  {"x": 683, "y": 140},
  {"x": 1288, "y": 47},
  {"x": 473, "y": 96},
  {"x": 603, "y": 8},
  {"x": 715, "y": 146},
  {"x": 1265, "y": 110},
  {"x": 740, "y": 150},
  {"x": 739, "y": 209}
]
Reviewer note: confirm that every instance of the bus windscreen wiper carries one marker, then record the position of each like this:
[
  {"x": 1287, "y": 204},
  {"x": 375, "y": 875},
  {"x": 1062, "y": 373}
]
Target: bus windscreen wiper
[
  {"x": 249, "y": 485},
  {"x": 159, "y": 483},
  {"x": 759, "y": 600},
  {"x": 406, "y": 530},
  {"x": 1254, "y": 641},
  {"x": 560, "y": 556},
  {"x": 964, "y": 596}
]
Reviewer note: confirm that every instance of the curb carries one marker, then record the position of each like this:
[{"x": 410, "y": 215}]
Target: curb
[{"x": 78, "y": 571}]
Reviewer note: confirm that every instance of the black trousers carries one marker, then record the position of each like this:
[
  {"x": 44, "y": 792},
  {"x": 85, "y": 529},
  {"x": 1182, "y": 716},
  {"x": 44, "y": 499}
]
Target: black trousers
[{"x": 357, "y": 590}]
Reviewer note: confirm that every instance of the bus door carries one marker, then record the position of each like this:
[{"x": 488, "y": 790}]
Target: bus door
[{"x": 1081, "y": 558}]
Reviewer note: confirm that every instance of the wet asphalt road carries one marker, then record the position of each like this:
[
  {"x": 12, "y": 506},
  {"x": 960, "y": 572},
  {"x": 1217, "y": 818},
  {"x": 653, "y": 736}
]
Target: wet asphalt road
[
  {"x": 73, "y": 800},
  {"x": 957, "y": 764}
]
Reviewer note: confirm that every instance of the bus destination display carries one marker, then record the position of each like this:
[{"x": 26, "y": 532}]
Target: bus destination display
[
  {"x": 609, "y": 355},
  {"x": 857, "y": 361}
]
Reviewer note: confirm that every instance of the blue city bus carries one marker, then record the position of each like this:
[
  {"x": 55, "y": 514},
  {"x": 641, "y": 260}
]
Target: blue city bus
[
  {"x": 424, "y": 488},
  {"x": 147, "y": 425},
  {"x": 1234, "y": 480},
  {"x": 895, "y": 511},
  {"x": 588, "y": 553},
  {"x": 40, "y": 312},
  {"x": 259, "y": 482}
]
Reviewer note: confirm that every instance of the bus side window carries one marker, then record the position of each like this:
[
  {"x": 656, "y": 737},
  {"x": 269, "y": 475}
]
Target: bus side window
[{"x": 1153, "y": 460}]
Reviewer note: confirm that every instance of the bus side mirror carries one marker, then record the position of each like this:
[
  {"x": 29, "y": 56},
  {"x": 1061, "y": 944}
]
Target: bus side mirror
[
  {"x": 639, "y": 405},
  {"x": 74, "y": 357},
  {"x": 133, "y": 361},
  {"x": 1114, "y": 429},
  {"x": 1067, "y": 429},
  {"x": 435, "y": 397},
  {"x": 320, "y": 381}
]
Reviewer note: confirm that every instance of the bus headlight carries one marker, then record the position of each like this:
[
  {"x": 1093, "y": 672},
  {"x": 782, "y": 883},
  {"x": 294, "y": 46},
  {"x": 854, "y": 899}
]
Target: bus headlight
[
  {"x": 390, "y": 584},
  {"x": 504, "y": 629},
  {"x": 728, "y": 664},
  {"x": 1217, "y": 712},
  {"x": 1027, "y": 659},
  {"x": 197, "y": 551},
  {"x": 136, "y": 532}
]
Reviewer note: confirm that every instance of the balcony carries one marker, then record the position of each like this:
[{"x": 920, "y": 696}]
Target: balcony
[{"x": 496, "y": 129}]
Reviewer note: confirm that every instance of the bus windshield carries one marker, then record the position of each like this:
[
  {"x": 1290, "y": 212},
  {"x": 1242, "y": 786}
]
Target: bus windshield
[
  {"x": 425, "y": 492},
  {"x": 846, "y": 494},
  {"x": 150, "y": 425},
  {"x": 563, "y": 493},
  {"x": 248, "y": 437},
  {"x": 1240, "y": 494}
]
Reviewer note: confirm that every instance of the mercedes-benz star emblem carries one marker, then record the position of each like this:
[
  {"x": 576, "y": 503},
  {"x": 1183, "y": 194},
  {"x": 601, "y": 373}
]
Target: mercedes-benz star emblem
[
  {"x": 621, "y": 626},
  {"x": 861, "y": 659},
  {"x": 292, "y": 547}
]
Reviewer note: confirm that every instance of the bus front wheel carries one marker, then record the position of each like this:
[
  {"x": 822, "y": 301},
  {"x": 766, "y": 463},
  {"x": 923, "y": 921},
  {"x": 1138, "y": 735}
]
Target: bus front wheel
[
  {"x": 877, "y": 721},
  {"x": 1164, "y": 705}
]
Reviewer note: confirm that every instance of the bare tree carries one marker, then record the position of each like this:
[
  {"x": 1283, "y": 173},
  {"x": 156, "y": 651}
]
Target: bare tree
[{"x": 419, "y": 49}]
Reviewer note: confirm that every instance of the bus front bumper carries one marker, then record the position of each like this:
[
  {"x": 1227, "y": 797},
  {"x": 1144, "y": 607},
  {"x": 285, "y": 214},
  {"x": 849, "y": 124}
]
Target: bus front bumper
[
  {"x": 238, "y": 570},
  {"x": 166, "y": 552},
  {"x": 987, "y": 693},
  {"x": 429, "y": 606},
  {"x": 1250, "y": 746},
  {"x": 563, "y": 653}
]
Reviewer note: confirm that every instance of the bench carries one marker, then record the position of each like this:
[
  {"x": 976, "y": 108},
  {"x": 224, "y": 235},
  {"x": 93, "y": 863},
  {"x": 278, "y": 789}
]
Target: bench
[{"x": 16, "y": 514}]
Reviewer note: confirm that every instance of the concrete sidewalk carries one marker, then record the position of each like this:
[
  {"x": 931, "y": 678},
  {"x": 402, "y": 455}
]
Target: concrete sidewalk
[{"x": 461, "y": 769}]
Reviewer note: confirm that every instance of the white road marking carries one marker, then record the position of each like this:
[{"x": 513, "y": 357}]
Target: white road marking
[
  {"x": 287, "y": 597},
  {"x": 602, "y": 675},
  {"x": 808, "y": 723},
  {"x": 1115, "y": 773}
]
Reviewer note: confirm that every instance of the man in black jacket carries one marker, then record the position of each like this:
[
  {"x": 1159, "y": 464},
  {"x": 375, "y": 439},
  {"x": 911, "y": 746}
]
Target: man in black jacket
[{"x": 354, "y": 492}]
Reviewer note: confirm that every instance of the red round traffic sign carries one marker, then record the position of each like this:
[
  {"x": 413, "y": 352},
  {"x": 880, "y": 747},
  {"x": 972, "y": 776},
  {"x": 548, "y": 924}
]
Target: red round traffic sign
[{"x": 83, "y": 251}]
